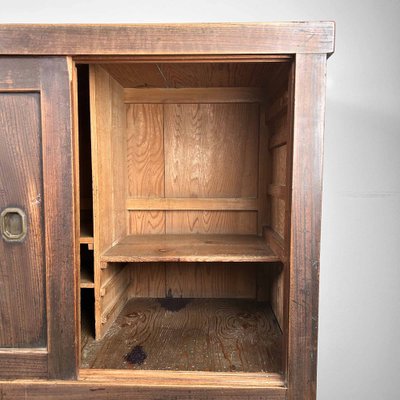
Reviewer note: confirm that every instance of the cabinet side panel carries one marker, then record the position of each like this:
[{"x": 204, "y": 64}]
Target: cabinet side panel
[
  {"x": 305, "y": 225},
  {"x": 22, "y": 267}
]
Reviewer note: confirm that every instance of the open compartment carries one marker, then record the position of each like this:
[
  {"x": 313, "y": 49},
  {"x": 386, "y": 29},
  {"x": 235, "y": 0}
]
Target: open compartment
[{"x": 190, "y": 162}]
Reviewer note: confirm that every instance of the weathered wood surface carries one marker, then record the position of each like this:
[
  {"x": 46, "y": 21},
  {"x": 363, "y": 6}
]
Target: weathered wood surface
[
  {"x": 50, "y": 78},
  {"x": 190, "y": 248},
  {"x": 100, "y": 390},
  {"x": 185, "y": 39},
  {"x": 189, "y": 335},
  {"x": 306, "y": 225},
  {"x": 22, "y": 264}
]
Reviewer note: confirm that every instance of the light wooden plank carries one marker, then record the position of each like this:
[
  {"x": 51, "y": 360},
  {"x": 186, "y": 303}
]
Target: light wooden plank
[
  {"x": 157, "y": 39},
  {"x": 183, "y": 378},
  {"x": 210, "y": 150},
  {"x": 147, "y": 280},
  {"x": 194, "y": 95},
  {"x": 211, "y": 280},
  {"x": 145, "y": 150},
  {"x": 264, "y": 171},
  {"x": 190, "y": 248},
  {"x": 209, "y": 222},
  {"x": 108, "y": 136},
  {"x": 191, "y": 204}
]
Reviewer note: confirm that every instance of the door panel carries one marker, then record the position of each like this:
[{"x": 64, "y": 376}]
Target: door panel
[
  {"x": 37, "y": 247},
  {"x": 22, "y": 269}
]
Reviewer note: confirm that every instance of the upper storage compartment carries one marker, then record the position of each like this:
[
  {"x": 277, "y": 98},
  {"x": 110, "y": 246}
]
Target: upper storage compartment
[{"x": 184, "y": 149}]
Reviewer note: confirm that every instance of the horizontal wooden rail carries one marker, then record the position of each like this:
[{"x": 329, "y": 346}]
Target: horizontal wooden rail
[
  {"x": 192, "y": 204},
  {"x": 194, "y": 95},
  {"x": 278, "y": 191},
  {"x": 249, "y": 380}
]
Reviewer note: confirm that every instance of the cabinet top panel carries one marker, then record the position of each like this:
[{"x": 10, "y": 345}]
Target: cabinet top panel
[{"x": 168, "y": 39}]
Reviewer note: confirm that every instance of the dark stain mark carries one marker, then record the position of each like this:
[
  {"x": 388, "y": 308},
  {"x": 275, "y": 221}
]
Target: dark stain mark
[
  {"x": 171, "y": 304},
  {"x": 96, "y": 389},
  {"x": 136, "y": 356}
]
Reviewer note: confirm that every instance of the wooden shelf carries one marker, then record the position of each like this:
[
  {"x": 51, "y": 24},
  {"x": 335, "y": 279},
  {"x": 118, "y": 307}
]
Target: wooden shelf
[
  {"x": 87, "y": 281},
  {"x": 220, "y": 335},
  {"x": 190, "y": 248},
  {"x": 86, "y": 235}
]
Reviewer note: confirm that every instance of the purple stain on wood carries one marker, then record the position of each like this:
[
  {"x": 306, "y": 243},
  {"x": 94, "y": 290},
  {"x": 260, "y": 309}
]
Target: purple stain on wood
[
  {"x": 174, "y": 305},
  {"x": 136, "y": 356}
]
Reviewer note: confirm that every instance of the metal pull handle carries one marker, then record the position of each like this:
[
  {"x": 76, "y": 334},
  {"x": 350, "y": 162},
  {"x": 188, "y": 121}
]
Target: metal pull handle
[{"x": 13, "y": 224}]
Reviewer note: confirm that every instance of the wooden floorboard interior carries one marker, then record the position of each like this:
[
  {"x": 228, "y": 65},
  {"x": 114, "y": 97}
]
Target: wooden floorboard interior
[{"x": 188, "y": 335}]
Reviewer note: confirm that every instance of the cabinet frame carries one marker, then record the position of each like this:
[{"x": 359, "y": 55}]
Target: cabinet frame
[{"x": 310, "y": 43}]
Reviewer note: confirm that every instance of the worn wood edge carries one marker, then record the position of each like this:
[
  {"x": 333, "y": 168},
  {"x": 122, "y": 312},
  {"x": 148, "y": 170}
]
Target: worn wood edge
[
  {"x": 185, "y": 378},
  {"x": 186, "y": 58},
  {"x": 60, "y": 243},
  {"x": 194, "y": 95},
  {"x": 191, "y": 204},
  {"x": 96, "y": 201},
  {"x": 192, "y": 258},
  {"x": 211, "y": 38},
  {"x": 61, "y": 390}
]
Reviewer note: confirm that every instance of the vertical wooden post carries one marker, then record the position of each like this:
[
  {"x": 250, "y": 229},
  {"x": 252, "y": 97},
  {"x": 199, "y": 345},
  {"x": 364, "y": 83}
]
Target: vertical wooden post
[{"x": 305, "y": 224}]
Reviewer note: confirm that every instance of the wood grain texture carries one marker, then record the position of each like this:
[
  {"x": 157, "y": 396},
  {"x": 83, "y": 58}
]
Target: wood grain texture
[
  {"x": 197, "y": 379},
  {"x": 305, "y": 221},
  {"x": 100, "y": 390},
  {"x": 146, "y": 222},
  {"x": 147, "y": 280},
  {"x": 203, "y": 335},
  {"x": 108, "y": 136},
  {"x": 157, "y": 39},
  {"x": 192, "y": 203},
  {"x": 17, "y": 364},
  {"x": 145, "y": 150},
  {"x": 210, "y": 222},
  {"x": 22, "y": 265},
  {"x": 190, "y": 248},
  {"x": 196, "y": 95},
  {"x": 200, "y": 72},
  {"x": 211, "y": 280},
  {"x": 51, "y": 78},
  {"x": 210, "y": 150},
  {"x": 58, "y": 195}
]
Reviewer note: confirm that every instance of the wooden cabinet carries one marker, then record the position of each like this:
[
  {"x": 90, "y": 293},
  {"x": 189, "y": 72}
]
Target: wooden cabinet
[{"x": 160, "y": 209}]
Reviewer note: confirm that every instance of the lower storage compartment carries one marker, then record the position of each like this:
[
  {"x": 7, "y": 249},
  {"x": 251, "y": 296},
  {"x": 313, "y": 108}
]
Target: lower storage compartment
[{"x": 221, "y": 335}]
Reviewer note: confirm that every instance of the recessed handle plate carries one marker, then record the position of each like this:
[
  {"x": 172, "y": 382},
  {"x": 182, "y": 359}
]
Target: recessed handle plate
[{"x": 13, "y": 224}]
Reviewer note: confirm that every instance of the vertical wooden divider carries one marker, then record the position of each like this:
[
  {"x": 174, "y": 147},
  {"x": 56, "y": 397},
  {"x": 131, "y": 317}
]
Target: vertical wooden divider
[{"x": 108, "y": 135}]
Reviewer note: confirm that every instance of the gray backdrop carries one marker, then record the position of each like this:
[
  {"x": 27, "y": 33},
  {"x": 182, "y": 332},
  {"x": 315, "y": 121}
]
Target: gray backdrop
[{"x": 359, "y": 343}]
